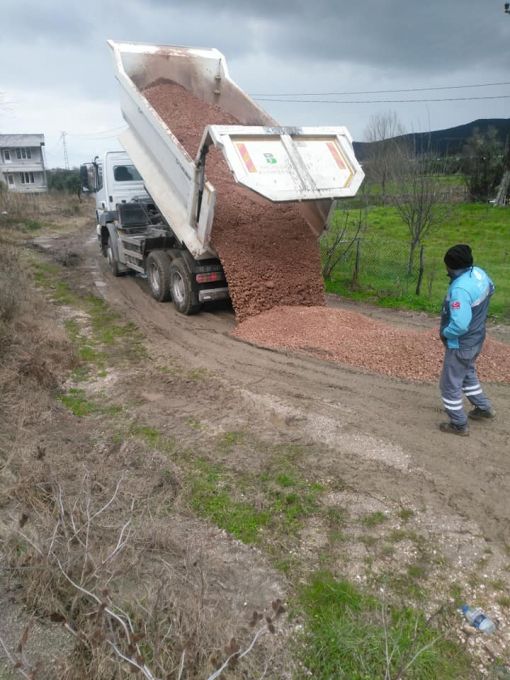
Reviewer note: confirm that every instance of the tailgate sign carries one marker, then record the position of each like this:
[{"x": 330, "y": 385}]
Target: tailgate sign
[
  {"x": 323, "y": 158},
  {"x": 289, "y": 164},
  {"x": 265, "y": 159}
]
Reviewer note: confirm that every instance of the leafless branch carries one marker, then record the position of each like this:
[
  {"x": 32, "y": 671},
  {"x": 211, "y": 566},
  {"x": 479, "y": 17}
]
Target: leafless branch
[
  {"x": 20, "y": 664},
  {"x": 238, "y": 655}
]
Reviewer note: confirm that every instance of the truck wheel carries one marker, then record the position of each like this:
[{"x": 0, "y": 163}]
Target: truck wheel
[
  {"x": 158, "y": 275},
  {"x": 183, "y": 295},
  {"x": 112, "y": 260}
]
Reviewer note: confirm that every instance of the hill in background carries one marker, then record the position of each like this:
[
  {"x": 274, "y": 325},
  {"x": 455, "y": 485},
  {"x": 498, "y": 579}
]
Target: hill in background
[{"x": 444, "y": 142}]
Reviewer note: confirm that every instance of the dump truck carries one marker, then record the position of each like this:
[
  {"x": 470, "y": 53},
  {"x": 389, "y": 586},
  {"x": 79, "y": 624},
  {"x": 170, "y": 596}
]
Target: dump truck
[{"x": 154, "y": 204}]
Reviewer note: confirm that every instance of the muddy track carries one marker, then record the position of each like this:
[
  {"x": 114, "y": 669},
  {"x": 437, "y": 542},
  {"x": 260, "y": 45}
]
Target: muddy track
[{"x": 385, "y": 428}]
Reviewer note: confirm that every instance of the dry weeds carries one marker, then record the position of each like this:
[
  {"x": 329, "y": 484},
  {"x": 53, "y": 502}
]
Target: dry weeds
[
  {"x": 86, "y": 561},
  {"x": 101, "y": 554}
]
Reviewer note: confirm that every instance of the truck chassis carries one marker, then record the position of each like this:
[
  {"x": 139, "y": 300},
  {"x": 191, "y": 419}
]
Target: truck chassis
[{"x": 138, "y": 239}]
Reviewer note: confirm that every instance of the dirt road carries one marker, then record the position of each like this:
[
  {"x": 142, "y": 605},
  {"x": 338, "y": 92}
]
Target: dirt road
[
  {"x": 206, "y": 429},
  {"x": 383, "y": 431}
]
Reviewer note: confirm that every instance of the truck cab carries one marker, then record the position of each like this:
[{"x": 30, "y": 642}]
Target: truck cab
[{"x": 114, "y": 180}]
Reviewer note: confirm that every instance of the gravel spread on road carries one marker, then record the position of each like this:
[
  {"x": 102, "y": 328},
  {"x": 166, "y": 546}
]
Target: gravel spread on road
[
  {"x": 351, "y": 338},
  {"x": 269, "y": 254},
  {"x": 272, "y": 263}
]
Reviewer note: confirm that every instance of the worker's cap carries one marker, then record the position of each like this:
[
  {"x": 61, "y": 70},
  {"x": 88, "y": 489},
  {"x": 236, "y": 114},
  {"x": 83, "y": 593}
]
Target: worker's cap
[{"x": 459, "y": 257}]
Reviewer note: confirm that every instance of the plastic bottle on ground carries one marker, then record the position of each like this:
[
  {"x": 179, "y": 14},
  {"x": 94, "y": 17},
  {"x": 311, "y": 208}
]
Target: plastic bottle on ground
[{"x": 478, "y": 619}]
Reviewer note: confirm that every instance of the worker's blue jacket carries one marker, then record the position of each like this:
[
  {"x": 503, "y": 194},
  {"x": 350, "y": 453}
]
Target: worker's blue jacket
[{"x": 465, "y": 308}]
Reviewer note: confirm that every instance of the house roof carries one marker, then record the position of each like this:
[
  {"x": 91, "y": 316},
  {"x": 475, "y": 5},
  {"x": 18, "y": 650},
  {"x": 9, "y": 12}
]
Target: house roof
[{"x": 7, "y": 141}]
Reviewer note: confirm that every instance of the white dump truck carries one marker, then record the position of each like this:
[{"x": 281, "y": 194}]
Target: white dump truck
[{"x": 154, "y": 204}]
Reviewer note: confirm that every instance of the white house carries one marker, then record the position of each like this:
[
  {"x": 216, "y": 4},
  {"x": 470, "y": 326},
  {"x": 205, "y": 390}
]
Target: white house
[{"x": 22, "y": 163}]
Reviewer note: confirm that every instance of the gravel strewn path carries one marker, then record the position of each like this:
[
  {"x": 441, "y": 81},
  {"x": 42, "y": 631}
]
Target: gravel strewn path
[{"x": 352, "y": 338}]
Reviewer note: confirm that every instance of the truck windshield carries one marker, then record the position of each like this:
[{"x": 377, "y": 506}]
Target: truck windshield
[{"x": 126, "y": 173}]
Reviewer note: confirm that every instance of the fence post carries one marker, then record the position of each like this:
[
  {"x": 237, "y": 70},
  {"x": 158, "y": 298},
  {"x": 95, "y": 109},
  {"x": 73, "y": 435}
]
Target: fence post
[
  {"x": 355, "y": 273},
  {"x": 420, "y": 272}
]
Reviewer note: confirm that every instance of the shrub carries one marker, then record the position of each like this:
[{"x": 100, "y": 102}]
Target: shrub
[{"x": 12, "y": 284}]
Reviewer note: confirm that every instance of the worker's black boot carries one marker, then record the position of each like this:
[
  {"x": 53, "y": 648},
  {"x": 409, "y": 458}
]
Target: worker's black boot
[
  {"x": 450, "y": 428},
  {"x": 479, "y": 414}
]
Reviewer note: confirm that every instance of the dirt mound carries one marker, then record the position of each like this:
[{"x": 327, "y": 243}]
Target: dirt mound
[
  {"x": 351, "y": 338},
  {"x": 268, "y": 252}
]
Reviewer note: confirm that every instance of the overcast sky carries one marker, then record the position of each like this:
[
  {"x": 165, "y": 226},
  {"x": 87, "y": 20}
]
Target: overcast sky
[{"x": 57, "y": 72}]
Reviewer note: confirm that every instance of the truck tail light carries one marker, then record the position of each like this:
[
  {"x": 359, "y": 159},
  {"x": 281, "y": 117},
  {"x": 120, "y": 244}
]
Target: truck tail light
[{"x": 207, "y": 278}]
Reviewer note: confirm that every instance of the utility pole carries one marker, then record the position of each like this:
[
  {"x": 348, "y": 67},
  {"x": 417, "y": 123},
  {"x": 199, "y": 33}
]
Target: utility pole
[{"x": 64, "y": 144}]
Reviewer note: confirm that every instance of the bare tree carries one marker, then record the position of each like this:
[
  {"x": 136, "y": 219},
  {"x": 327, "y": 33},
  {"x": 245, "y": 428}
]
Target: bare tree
[
  {"x": 341, "y": 239},
  {"x": 383, "y": 132},
  {"x": 418, "y": 198}
]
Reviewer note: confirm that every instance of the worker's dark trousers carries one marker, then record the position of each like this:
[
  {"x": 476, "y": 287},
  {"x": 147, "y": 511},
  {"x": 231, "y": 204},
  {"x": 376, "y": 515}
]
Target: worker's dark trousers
[{"x": 459, "y": 378}]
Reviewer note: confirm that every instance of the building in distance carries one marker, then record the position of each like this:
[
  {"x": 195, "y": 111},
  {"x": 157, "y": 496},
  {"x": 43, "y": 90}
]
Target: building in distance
[{"x": 22, "y": 167}]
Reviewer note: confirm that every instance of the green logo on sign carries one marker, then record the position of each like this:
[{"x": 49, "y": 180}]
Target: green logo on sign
[{"x": 270, "y": 158}]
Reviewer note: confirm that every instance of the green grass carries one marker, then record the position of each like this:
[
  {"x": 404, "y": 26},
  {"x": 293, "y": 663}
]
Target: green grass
[
  {"x": 76, "y": 400},
  {"x": 245, "y": 503},
  {"x": 211, "y": 498},
  {"x": 152, "y": 437},
  {"x": 351, "y": 635},
  {"x": 504, "y": 601},
  {"x": 374, "y": 519},
  {"x": 104, "y": 338},
  {"x": 406, "y": 514},
  {"x": 230, "y": 439},
  {"x": 32, "y": 225},
  {"x": 384, "y": 252}
]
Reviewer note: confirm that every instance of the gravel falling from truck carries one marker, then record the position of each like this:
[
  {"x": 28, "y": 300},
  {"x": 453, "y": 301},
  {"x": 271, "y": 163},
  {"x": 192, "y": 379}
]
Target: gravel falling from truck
[
  {"x": 268, "y": 252},
  {"x": 272, "y": 263}
]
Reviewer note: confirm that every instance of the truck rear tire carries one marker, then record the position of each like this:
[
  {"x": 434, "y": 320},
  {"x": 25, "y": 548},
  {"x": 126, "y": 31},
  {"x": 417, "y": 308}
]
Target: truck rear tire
[
  {"x": 158, "y": 275},
  {"x": 181, "y": 288},
  {"x": 112, "y": 259}
]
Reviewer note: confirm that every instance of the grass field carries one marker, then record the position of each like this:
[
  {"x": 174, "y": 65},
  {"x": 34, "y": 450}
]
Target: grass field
[{"x": 384, "y": 252}]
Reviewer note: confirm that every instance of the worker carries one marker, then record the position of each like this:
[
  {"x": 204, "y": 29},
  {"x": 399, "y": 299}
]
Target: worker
[{"x": 462, "y": 331}]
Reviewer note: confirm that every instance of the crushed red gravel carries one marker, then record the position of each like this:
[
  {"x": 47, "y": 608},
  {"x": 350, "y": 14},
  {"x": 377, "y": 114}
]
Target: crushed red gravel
[
  {"x": 269, "y": 254},
  {"x": 350, "y": 338},
  {"x": 272, "y": 263}
]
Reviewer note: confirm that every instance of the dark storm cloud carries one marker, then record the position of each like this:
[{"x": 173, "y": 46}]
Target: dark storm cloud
[
  {"x": 55, "y": 50},
  {"x": 24, "y": 22},
  {"x": 433, "y": 35},
  {"x": 401, "y": 36}
]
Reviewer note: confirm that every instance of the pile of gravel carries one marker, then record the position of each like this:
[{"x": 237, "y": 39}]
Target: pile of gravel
[
  {"x": 351, "y": 338},
  {"x": 269, "y": 254}
]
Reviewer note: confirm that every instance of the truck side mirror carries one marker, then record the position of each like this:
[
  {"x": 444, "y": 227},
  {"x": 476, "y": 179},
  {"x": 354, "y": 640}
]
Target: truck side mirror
[{"x": 88, "y": 177}]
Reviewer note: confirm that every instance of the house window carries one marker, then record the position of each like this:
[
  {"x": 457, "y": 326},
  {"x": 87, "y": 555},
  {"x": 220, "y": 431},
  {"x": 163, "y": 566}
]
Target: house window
[
  {"x": 10, "y": 179},
  {"x": 23, "y": 152},
  {"x": 7, "y": 156},
  {"x": 27, "y": 177}
]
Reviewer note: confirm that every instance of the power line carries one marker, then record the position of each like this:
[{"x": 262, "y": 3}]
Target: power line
[
  {"x": 379, "y": 101},
  {"x": 345, "y": 94}
]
